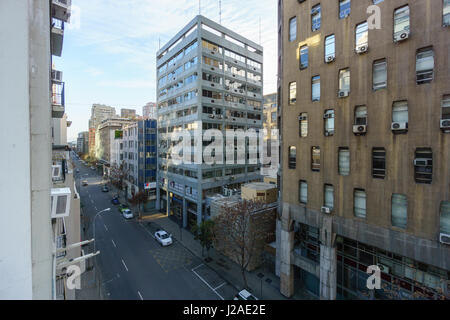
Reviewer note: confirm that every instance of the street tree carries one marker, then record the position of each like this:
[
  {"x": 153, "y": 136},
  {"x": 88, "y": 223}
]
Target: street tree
[
  {"x": 242, "y": 230},
  {"x": 139, "y": 199},
  {"x": 205, "y": 234}
]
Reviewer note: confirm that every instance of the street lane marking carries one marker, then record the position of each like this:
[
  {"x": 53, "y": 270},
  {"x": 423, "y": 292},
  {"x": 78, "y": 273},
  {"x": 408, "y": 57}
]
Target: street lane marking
[
  {"x": 124, "y": 265},
  {"x": 92, "y": 201},
  {"x": 106, "y": 227},
  {"x": 217, "y": 288},
  {"x": 113, "y": 243},
  {"x": 204, "y": 281},
  {"x": 147, "y": 231},
  {"x": 95, "y": 208},
  {"x": 140, "y": 295}
]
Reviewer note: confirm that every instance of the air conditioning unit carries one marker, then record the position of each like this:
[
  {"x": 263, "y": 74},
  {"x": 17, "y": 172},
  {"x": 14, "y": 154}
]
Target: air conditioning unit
[
  {"x": 303, "y": 65},
  {"x": 383, "y": 268},
  {"x": 343, "y": 93},
  {"x": 362, "y": 49},
  {"x": 421, "y": 162},
  {"x": 444, "y": 238},
  {"x": 242, "y": 91},
  {"x": 399, "y": 126},
  {"x": 328, "y": 116},
  {"x": 330, "y": 59},
  {"x": 60, "y": 202},
  {"x": 401, "y": 36},
  {"x": 57, "y": 76},
  {"x": 360, "y": 129},
  {"x": 329, "y": 133},
  {"x": 445, "y": 125},
  {"x": 219, "y": 116},
  {"x": 227, "y": 87},
  {"x": 302, "y": 118},
  {"x": 211, "y": 116},
  {"x": 325, "y": 210},
  {"x": 56, "y": 172}
]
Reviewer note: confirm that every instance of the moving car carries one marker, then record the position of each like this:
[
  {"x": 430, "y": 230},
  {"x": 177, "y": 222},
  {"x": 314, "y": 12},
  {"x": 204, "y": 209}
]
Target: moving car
[
  {"x": 115, "y": 201},
  {"x": 245, "y": 295},
  {"x": 105, "y": 188},
  {"x": 85, "y": 183},
  {"x": 127, "y": 214},
  {"x": 123, "y": 207},
  {"x": 163, "y": 238}
]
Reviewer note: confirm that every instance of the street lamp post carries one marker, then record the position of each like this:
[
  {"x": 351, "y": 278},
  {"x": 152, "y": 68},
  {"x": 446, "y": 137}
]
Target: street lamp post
[{"x": 107, "y": 209}]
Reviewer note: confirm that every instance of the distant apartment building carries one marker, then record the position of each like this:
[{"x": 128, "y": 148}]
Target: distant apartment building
[
  {"x": 83, "y": 142},
  {"x": 365, "y": 148},
  {"x": 149, "y": 111},
  {"x": 128, "y": 113},
  {"x": 209, "y": 77},
  {"x": 99, "y": 112},
  {"x": 41, "y": 238},
  {"x": 270, "y": 116}
]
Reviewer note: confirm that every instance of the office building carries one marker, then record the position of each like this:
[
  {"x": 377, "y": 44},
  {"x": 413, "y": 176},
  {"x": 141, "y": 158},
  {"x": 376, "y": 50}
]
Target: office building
[
  {"x": 365, "y": 148},
  {"x": 99, "y": 112},
  {"x": 209, "y": 77},
  {"x": 270, "y": 112},
  {"x": 128, "y": 113},
  {"x": 83, "y": 142},
  {"x": 149, "y": 111}
]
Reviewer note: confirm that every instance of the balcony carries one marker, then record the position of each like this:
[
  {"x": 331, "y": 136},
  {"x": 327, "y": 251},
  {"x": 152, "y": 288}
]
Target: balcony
[
  {"x": 57, "y": 37},
  {"x": 61, "y": 9},
  {"x": 58, "y": 103}
]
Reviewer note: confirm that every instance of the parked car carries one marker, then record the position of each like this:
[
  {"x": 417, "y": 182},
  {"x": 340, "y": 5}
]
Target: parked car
[
  {"x": 245, "y": 295},
  {"x": 85, "y": 183},
  {"x": 115, "y": 201},
  {"x": 123, "y": 207},
  {"x": 163, "y": 238},
  {"x": 105, "y": 188},
  {"x": 93, "y": 168},
  {"x": 127, "y": 214},
  {"x": 78, "y": 170}
]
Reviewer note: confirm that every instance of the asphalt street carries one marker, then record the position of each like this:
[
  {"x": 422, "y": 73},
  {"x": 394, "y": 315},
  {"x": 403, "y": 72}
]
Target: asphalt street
[{"x": 132, "y": 264}]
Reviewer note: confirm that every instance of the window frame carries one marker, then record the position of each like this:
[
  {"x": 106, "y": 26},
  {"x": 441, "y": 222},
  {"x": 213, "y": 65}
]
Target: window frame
[
  {"x": 315, "y": 81},
  {"x": 315, "y": 165},
  {"x": 292, "y": 162},
  {"x": 292, "y": 87},
  {"x": 379, "y": 86},
  {"x": 355, "y": 191},
  {"x": 292, "y": 31},
  {"x": 340, "y": 151},
  {"x": 378, "y": 173}
]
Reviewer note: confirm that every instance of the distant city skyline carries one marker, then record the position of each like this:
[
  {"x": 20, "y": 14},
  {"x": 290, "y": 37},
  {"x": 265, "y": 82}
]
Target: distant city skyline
[{"x": 110, "y": 48}]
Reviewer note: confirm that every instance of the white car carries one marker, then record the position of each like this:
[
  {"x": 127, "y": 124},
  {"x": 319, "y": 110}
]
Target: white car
[
  {"x": 163, "y": 238},
  {"x": 127, "y": 214},
  {"x": 245, "y": 295}
]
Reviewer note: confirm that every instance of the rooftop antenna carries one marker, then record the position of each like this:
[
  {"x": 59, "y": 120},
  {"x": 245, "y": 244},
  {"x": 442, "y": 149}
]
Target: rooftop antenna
[
  {"x": 259, "y": 30},
  {"x": 220, "y": 11},
  {"x": 159, "y": 40},
  {"x": 199, "y": 7}
]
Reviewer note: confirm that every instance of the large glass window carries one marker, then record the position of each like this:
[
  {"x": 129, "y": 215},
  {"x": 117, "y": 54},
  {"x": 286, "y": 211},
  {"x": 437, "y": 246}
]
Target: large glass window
[
  {"x": 315, "y": 88},
  {"x": 329, "y": 122},
  {"x": 292, "y": 92},
  {"x": 344, "y": 8},
  {"x": 330, "y": 48},
  {"x": 344, "y": 161},
  {"x": 316, "y": 16},
  {"x": 379, "y": 74},
  {"x": 292, "y": 157},
  {"x": 362, "y": 36},
  {"x": 303, "y": 124},
  {"x": 303, "y": 191},
  {"x": 401, "y": 21},
  {"x": 424, "y": 65},
  {"x": 329, "y": 196},
  {"x": 445, "y": 217},
  {"x": 379, "y": 163},
  {"x": 446, "y": 13},
  {"x": 359, "y": 197},
  {"x": 399, "y": 210},
  {"x": 315, "y": 158},
  {"x": 400, "y": 112},
  {"x": 344, "y": 80},
  {"x": 304, "y": 57},
  {"x": 293, "y": 29}
]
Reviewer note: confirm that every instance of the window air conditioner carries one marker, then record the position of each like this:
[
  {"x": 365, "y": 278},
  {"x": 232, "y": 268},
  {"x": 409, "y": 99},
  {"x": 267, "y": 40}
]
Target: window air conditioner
[
  {"x": 400, "y": 36},
  {"x": 343, "y": 93},
  {"x": 399, "y": 126},
  {"x": 325, "y": 210},
  {"x": 60, "y": 202},
  {"x": 445, "y": 125},
  {"x": 383, "y": 268},
  {"x": 421, "y": 162},
  {"x": 360, "y": 129},
  {"x": 56, "y": 172},
  {"x": 57, "y": 75},
  {"x": 444, "y": 238},
  {"x": 330, "y": 59},
  {"x": 362, "y": 49},
  {"x": 301, "y": 118}
]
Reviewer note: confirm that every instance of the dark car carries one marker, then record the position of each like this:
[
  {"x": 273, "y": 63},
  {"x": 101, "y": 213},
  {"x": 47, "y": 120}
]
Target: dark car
[
  {"x": 115, "y": 201},
  {"x": 105, "y": 188}
]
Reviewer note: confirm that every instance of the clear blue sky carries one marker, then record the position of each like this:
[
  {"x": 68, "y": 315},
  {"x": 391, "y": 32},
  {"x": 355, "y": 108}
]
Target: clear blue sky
[{"x": 109, "y": 52}]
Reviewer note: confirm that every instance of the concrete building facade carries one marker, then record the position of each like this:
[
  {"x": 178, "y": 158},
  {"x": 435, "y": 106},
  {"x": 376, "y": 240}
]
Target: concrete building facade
[
  {"x": 99, "y": 113},
  {"x": 270, "y": 111},
  {"x": 209, "y": 77},
  {"x": 149, "y": 111},
  {"x": 365, "y": 148},
  {"x": 83, "y": 142}
]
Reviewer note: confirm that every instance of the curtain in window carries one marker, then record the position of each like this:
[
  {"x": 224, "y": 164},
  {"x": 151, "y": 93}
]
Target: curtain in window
[
  {"x": 316, "y": 88},
  {"x": 344, "y": 162},
  {"x": 425, "y": 61},
  {"x": 329, "y": 196},
  {"x": 304, "y": 128},
  {"x": 400, "y": 111},
  {"x": 360, "y": 203},
  {"x": 303, "y": 192},
  {"x": 379, "y": 74},
  {"x": 445, "y": 217},
  {"x": 399, "y": 210}
]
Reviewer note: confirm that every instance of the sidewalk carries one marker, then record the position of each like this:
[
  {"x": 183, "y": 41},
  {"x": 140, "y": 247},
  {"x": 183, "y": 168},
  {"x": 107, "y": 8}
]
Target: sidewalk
[{"x": 263, "y": 284}]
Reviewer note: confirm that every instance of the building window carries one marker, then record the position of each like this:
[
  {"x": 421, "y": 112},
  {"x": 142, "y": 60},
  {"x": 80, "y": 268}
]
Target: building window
[
  {"x": 292, "y": 92},
  {"x": 361, "y": 115},
  {"x": 445, "y": 113},
  {"x": 292, "y": 29},
  {"x": 316, "y": 16},
  {"x": 303, "y": 192},
  {"x": 304, "y": 57},
  {"x": 399, "y": 214},
  {"x": 400, "y": 112},
  {"x": 379, "y": 163},
  {"x": 359, "y": 208},
  {"x": 446, "y": 13},
  {"x": 362, "y": 37},
  {"x": 315, "y": 159},
  {"x": 401, "y": 23},
  {"x": 329, "y": 122},
  {"x": 344, "y": 161},
  {"x": 344, "y": 8},
  {"x": 292, "y": 157},
  {"x": 329, "y": 196},
  {"x": 424, "y": 65},
  {"x": 445, "y": 217},
  {"x": 330, "y": 48},
  {"x": 315, "y": 88},
  {"x": 344, "y": 83},
  {"x": 379, "y": 74},
  {"x": 423, "y": 166},
  {"x": 303, "y": 124}
]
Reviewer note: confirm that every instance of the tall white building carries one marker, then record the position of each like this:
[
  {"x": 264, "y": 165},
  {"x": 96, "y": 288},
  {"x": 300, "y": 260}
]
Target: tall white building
[{"x": 209, "y": 77}]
